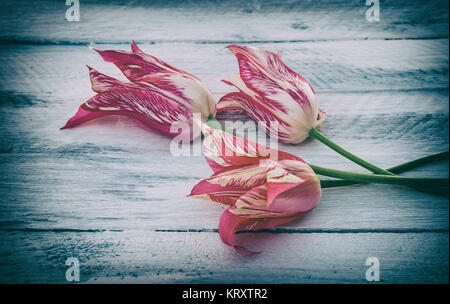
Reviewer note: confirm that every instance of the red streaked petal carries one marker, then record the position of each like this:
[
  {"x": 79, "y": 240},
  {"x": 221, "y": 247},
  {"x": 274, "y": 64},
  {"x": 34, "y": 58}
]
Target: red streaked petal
[
  {"x": 240, "y": 102},
  {"x": 131, "y": 64},
  {"x": 222, "y": 150},
  {"x": 265, "y": 73},
  {"x": 82, "y": 116},
  {"x": 232, "y": 103},
  {"x": 153, "y": 112},
  {"x": 152, "y": 59},
  {"x": 102, "y": 83},
  {"x": 229, "y": 184},
  {"x": 137, "y": 65}
]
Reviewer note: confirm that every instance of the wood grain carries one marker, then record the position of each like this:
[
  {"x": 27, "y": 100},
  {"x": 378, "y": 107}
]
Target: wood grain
[
  {"x": 188, "y": 257},
  {"x": 112, "y": 195},
  {"x": 220, "y": 21},
  {"x": 338, "y": 66}
]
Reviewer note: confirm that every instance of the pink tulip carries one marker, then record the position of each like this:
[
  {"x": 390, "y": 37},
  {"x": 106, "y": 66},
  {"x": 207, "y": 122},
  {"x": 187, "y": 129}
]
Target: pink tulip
[
  {"x": 158, "y": 96},
  {"x": 270, "y": 91},
  {"x": 262, "y": 192},
  {"x": 280, "y": 100}
]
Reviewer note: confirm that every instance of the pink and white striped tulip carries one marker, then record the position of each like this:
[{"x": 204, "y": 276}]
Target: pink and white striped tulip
[
  {"x": 262, "y": 192},
  {"x": 158, "y": 96},
  {"x": 269, "y": 91}
]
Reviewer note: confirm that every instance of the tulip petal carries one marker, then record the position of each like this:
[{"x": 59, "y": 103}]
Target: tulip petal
[
  {"x": 230, "y": 224},
  {"x": 83, "y": 115},
  {"x": 294, "y": 188},
  {"x": 137, "y": 65},
  {"x": 229, "y": 184},
  {"x": 266, "y": 117},
  {"x": 154, "y": 60},
  {"x": 238, "y": 101},
  {"x": 283, "y": 193},
  {"x": 265, "y": 73},
  {"x": 270, "y": 84},
  {"x": 222, "y": 149},
  {"x": 151, "y": 110},
  {"x": 102, "y": 83}
]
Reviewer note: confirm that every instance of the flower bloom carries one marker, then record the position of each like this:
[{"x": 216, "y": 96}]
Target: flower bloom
[
  {"x": 158, "y": 96},
  {"x": 261, "y": 192},
  {"x": 269, "y": 91}
]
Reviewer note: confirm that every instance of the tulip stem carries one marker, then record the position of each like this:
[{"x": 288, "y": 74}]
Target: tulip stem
[
  {"x": 381, "y": 179},
  {"x": 396, "y": 169},
  {"x": 214, "y": 123},
  {"x": 319, "y": 136}
]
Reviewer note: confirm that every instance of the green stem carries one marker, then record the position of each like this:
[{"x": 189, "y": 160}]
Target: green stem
[
  {"x": 381, "y": 179},
  {"x": 319, "y": 136},
  {"x": 396, "y": 169},
  {"x": 214, "y": 123},
  {"x": 360, "y": 177}
]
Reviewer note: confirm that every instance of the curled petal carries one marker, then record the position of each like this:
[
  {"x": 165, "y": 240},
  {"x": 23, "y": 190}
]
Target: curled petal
[
  {"x": 285, "y": 192},
  {"x": 292, "y": 187},
  {"x": 230, "y": 224}
]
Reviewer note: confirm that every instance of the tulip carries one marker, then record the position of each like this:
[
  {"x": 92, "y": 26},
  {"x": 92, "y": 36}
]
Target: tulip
[
  {"x": 265, "y": 191},
  {"x": 159, "y": 95},
  {"x": 261, "y": 192},
  {"x": 269, "y": 91}
]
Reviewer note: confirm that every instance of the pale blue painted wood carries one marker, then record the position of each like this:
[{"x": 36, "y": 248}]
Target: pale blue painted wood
[{"x": 111, "y": 194}]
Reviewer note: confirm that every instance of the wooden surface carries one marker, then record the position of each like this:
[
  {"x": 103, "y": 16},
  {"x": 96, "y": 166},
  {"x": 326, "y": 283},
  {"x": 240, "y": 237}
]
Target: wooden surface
[{"x": 113, "y": 196}]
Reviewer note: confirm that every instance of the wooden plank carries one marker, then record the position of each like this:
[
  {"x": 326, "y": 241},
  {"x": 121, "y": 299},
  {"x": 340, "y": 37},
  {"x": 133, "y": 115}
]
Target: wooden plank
[
  {"x": 193, "y": 21},
  {"x": 416, "y": 121},
  {"x": 164, "y": 257},
  {"x": 77, "y": 190},
  {"x": 339, "y": 66}
]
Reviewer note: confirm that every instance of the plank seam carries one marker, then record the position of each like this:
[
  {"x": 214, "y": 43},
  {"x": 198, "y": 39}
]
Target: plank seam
[
  {"x": 272, "y": 231},
  {"x": 78, "y": 43}
]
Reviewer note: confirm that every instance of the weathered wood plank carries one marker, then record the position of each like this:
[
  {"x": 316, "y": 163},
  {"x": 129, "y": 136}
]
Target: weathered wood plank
[
  {"x": 417, "y": 122},
  {"x": 339, "y": 66},
  {"x": 165, "y": 257},
  {"x": 218, "y": 21},
  {"x": 121, "y": 190}
]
